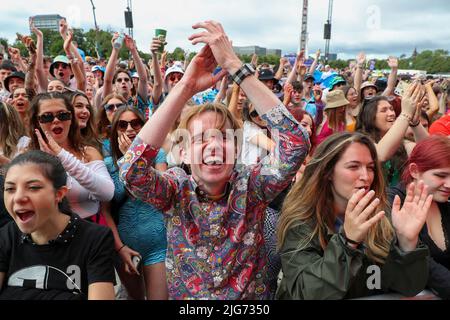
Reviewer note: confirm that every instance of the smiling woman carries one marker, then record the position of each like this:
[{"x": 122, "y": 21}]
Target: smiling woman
[{"x": 48, "y": 252}]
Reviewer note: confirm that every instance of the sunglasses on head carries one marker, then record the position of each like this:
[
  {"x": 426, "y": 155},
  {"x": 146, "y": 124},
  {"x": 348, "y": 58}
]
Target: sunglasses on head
[
  {"x": 254, "y": 114},
  {"x": 174, "y": 77},
  {"x": 136, "y": 124},
  {"x": 113, "y": 106},
  {"x": 49, "y": 117}
]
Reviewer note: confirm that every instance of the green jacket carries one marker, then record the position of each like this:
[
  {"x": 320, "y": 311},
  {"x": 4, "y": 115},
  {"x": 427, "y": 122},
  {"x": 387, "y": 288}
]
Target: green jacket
[{"x": 340, "y": 272}]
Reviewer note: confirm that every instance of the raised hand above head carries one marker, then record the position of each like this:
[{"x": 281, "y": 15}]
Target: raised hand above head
[{"x": 220, "y": 46}]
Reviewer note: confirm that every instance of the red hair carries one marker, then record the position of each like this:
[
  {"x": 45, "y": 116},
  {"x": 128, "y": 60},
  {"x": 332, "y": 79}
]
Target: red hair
[
  {"x": 431, "y": 153},
  {"x": 298, "y": 114}
]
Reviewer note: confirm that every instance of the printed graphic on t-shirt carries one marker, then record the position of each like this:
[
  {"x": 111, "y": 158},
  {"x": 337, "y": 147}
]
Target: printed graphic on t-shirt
[{"x": 47, "y": 277}]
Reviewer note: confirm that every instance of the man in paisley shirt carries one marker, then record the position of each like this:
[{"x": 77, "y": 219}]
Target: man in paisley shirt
[{"x": 214, "y": 216}]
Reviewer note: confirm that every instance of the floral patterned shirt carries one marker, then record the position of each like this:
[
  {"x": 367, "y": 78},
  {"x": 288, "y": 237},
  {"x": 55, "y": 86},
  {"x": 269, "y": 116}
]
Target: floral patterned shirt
[{"x": 216, "y": 248}]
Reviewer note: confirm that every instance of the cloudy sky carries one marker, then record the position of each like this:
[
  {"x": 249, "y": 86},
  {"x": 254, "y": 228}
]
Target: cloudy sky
[{"x": 379, "y": 27}]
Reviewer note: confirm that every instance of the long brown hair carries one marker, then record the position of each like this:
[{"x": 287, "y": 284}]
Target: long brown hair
[
  {"x": 74, "y": 133},
  {"x": 11, "y": 129},
  {"x": 89, "y": 134},
  {"x": 336, "y": 119},
  {"x": 311, "y": 200}
]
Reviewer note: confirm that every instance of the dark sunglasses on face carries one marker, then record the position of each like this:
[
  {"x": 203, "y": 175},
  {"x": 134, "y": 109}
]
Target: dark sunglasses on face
[
  {"x": 63, "y": 65},
  {"x": 174, "y": 77},
  {"x": 49, "y": 117},
  {"x": 136, "y": 124},
  {"x": 113, "y": 106}
]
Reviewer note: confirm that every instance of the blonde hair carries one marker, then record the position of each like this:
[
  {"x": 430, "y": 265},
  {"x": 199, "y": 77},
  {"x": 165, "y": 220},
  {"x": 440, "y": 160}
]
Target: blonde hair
[
  {"x": 311, "y": 200},
  {"x": 210, "y": 107}
]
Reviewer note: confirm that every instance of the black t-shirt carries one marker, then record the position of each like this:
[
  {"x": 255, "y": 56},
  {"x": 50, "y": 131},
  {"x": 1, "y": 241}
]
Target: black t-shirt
[
  {"x": 4, "y": 215},
  {"x": 63, "y": 269}
]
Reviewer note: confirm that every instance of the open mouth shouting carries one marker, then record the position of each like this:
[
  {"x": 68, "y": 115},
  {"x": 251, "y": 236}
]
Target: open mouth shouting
[
  {"x": 24, "y": 215},
  {"x": 57, "y": 131}
]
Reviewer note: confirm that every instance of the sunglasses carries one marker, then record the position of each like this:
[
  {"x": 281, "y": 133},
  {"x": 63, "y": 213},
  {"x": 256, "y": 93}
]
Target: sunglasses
[
  {"x": 63, "y": 65},
  {"x": 136, "y": 124},
  {"x": 113, "y": 106},
  {"x": 49, "y": 117},
  {"x": 174, "y": 77},
  {"x": 254, "y": 114}
]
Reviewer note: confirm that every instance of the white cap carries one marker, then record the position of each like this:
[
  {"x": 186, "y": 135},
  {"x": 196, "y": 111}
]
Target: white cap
[{"x": 173, "y": 69}]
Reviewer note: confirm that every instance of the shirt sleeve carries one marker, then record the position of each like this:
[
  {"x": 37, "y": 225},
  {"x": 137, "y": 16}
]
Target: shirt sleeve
[
  {"x": 274, "y": 173},
  {"x": 95, "y": 177},
  {"x": 100, "y": 266},
  {"x": 312, "y": 274},
  {"x": 143, "y": 181},
  {"x": 5, "y": 247}
]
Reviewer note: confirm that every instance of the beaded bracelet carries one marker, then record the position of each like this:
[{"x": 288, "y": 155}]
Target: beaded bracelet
[
  {"x": 406, "y": 116},
  {"x": 415, "y": 124}
]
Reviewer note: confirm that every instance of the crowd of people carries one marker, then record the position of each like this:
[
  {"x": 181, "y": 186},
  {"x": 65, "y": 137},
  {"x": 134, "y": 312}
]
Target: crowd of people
[{"x": 214, "y": 179}]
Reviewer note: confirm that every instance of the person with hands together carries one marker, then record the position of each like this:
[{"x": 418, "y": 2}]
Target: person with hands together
[
  {"x": 335, "y": 224},
  {"x": 216, "y": 213}
]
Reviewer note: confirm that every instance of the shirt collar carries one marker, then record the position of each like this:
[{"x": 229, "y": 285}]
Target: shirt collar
[{"x": 63, "y": 238}]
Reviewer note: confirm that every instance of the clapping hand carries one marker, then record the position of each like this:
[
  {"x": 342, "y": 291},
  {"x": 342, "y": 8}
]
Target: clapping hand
[
  {"x": 360, "y": 215},
  {"x": 410, "y": 218}
]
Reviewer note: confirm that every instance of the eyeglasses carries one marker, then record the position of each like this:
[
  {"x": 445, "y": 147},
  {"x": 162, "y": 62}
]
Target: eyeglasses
[
  {"x": 113, "y": 106},
  {"x": 254, "y": 114},
  {"x": 174, "y": 77},
  {"x": 49, "y": 117},
  {"x": 136, "y": 124},
  {"x": 123, "y": 79}
]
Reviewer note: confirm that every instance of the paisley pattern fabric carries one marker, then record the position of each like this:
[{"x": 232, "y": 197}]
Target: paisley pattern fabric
[{"x": 216, "y": 248}]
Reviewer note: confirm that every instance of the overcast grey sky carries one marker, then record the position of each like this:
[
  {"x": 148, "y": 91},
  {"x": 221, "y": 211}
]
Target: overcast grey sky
[{"x": 379, "y": 27}]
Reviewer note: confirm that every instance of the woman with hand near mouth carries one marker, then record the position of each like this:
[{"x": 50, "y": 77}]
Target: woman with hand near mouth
[
  {"x": 48, "y": 252},
  {"x": 215, "y": 216},
  {"x": 54, "y": 129},
  {"x": 430, "y": 162},
  {"x": 334, "y": 226},
  {"x": 377, "y": 119},
  {"x": 105, "y": 115},
  {"x": 140, "y": 230}
]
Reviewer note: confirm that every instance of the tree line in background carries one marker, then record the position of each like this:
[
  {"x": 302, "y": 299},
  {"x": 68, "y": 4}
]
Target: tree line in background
[{"x": 437, "y": 61}]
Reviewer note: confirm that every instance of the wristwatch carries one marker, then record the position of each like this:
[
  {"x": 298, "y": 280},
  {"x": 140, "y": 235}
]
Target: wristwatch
[{"x": 245, "y": 71}]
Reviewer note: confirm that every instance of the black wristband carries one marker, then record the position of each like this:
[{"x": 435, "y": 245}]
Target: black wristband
[
  {"x": 414, "y": 125},
  {"x": 347, "y": 240}
]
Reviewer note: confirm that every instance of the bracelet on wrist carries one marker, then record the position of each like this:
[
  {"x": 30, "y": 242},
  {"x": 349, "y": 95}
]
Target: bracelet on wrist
[
  {"x": 414, "y": 125},
  {"x": 350, "y": 241},
  {"x": 406, "y": 116},
  {"x": 121, "y": 248}
]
